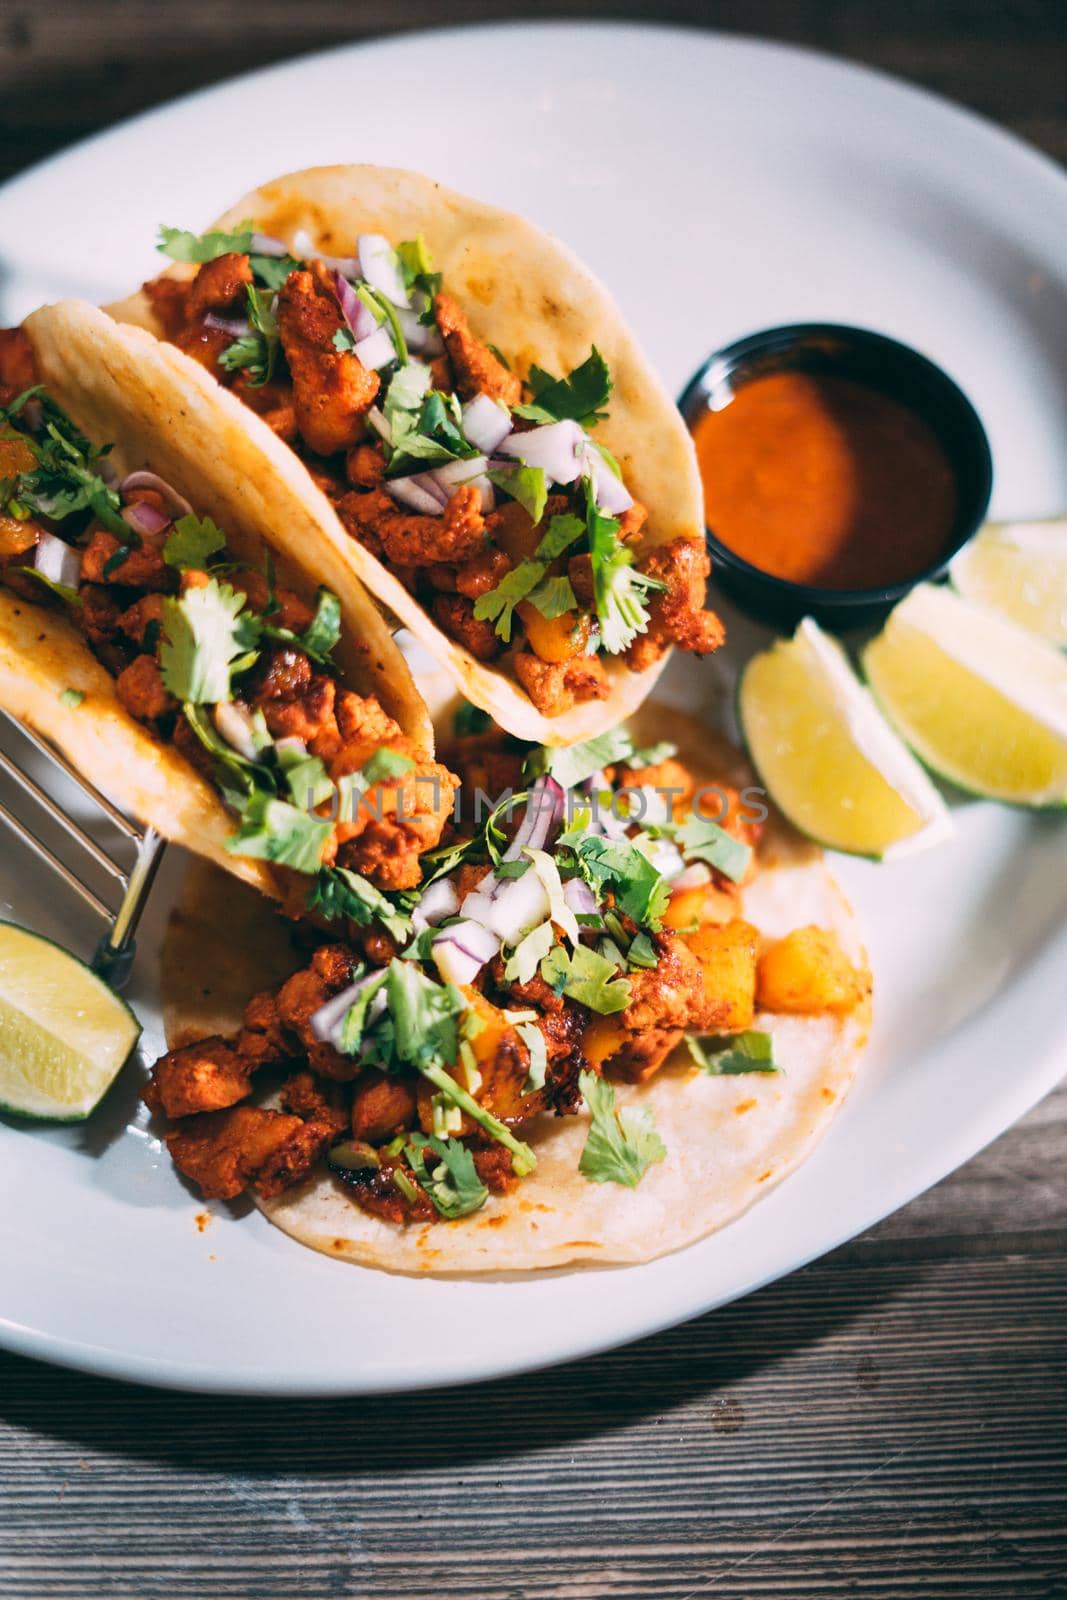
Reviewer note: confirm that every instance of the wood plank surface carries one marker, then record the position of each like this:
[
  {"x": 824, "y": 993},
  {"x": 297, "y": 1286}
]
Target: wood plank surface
[{"x": 890, "y": 1422}]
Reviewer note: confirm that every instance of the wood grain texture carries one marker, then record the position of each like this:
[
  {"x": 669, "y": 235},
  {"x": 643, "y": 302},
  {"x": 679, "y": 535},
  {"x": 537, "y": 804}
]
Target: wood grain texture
[{"x": 890, "y": 1422}]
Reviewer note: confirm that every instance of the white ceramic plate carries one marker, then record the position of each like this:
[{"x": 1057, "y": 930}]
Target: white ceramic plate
[{"x": 718, "y": 186}]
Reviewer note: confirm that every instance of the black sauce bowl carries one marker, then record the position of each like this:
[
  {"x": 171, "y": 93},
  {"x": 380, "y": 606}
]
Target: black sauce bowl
[{"x": 890, "y": 368}]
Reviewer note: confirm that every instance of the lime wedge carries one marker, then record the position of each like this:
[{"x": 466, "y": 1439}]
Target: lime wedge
[
  {"x": 63, "y": 1033},
  {"x": 1019, "y": 569},
  {"x": 829, "y": 759},
  {"x": 980, "y": 700}
]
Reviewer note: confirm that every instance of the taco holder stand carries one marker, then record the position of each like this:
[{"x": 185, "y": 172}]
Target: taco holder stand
[{"x": 114, "y": 956}]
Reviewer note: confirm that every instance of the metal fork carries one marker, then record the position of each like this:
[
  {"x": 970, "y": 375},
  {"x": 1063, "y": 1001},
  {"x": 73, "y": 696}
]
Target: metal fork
[{"x": 113, "y": 960}]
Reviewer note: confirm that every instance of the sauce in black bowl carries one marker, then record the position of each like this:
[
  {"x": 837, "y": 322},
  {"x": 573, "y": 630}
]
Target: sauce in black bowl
[{"x": 840, "y": 468}]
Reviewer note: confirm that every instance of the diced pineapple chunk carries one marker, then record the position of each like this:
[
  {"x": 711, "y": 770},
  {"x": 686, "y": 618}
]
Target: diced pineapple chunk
[
  {"x": 808, "y": 971},
  {"x": 727, "y": 952}
]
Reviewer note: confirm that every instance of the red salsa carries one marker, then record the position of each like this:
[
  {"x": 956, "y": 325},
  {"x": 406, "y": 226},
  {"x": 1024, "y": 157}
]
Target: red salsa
[{"x": 820, "y": 480}]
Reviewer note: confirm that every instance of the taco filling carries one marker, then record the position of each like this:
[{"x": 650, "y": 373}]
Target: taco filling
[
  {"x": 486, "y": 494},
  {"x": 581, "y": 921},
  {"x": 215, "y": 658}
]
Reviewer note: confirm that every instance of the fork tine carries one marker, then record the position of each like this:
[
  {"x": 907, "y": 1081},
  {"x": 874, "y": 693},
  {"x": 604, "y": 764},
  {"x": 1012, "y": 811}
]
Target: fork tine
[
  {"x": 45, "y": 855},
  {"x": 113, "y": 814},
  {"x": 59, "y": 816}
]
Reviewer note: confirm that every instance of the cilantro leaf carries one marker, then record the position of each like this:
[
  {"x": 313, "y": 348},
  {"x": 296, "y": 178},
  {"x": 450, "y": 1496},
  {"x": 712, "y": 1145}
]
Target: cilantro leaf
[
  {"x": 62, "y": 591},
  {"x": 734, "y": 1054},
  {"x": 527, "y": 485},
  {"x": 499, "y": 604},
  {"x": 622, "y": 1145},
  {"x": 468, "y": 720},
  {"x": 181, "y": 245},
  {"x": 192, "y": 542},
  {"x": 561, "y": 533},
  {"x": 323, "y": 631},
  {"x": 588, "y": 977},
  {"x": 573, "y": 764},
  {"x": 308, "y": 782},
  {"x": 240, "y": 774},
  {"x": 581, "y": 396},
  {"x": 619, "y": 590},
  {"x": 274, "y": 830},
  {"x": 642, "y": 952},
  {"x": 338, "y": 893},
  {"x": 257, "y": 352},
  {"x": 408, "y": 388},
  {"x": 204, "y": 633},
  {"x": 553, "y": 598},
  {"x": 354, "y": 1021},
  {"x": 272, "y": 271},
  {"x": 424, "y": 1016},
  {"x": 452, "y": 1183},
  {"x": 702, "y": 840},
  {"x": 651, "y": 755},
  {"x": 640, "y": 891},
  {"x": 64, "y": 479}
]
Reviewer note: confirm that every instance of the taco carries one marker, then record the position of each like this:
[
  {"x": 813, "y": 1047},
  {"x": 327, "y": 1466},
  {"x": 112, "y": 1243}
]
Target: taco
[
  {"x": 510, "y": 477},
  {"x": 174, "y": 619},
  {"x": 603, "y": 1025}
]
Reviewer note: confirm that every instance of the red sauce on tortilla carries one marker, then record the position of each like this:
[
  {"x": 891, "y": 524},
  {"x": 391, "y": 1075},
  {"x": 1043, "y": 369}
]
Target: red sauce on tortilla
[{"x": 821, "y": 480}]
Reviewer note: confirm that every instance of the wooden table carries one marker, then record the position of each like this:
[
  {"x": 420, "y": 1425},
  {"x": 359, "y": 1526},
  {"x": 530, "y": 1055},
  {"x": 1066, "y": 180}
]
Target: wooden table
[{"x": 890, "y": 1422}]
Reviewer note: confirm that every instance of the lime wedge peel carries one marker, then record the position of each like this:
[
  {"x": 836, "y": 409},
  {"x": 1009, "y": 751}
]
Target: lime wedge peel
[
  {"x": 982, "y": 701},
  {"x": 1019, "y": 570},
  {"x": 64, "y": 1035},
  {"x": 830, "y": 761}
]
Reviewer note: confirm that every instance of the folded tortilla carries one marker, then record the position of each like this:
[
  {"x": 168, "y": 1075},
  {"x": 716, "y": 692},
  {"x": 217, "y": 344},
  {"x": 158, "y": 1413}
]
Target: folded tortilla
[
  {"x": 162, "y": 413},
  {"x": 528, "y": 295},
  {"x": 729, "y": 1139}
]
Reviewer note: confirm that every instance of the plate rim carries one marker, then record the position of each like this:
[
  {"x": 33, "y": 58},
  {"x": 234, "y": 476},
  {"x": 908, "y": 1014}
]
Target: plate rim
[{"x": 116, "y": 1363}]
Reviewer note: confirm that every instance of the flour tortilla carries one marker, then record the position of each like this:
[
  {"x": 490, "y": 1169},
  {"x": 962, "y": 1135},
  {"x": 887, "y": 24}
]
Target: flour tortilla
[
  {"x": 165, "y": 414},
  {"x": 525, "y": 293},
  {"x": 729, "y": 1139}
]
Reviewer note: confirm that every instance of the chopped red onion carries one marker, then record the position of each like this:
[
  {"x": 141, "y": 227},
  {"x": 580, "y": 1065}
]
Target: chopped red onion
[
  {"x": 263, "y": 245},
  {"x": 145, "y": 519},
  {"x": 486, "y": 423},
  {"x": 57, "y": 560},
  {"x": 470, "y": 470},
  {"x": 236, "y": 327},
  {"x": 326, "y": 1021},
  {"x": 694, "y": 877},
  {"x": 418, "y": 493},
  {"x": 361, "y": 321},
  {"x": 580, "y": 898},
  {"x": 376, "y": 418},
  {"x": 291, "y": 746},
  {"x": 305, "y": 247},
  {"x": 419, "y": 336},
  {"x": 376, "y": 350},
  {"x": 556, "y": 447},
  {"x": 380, "y": 265},
  {"x": 178, "y": 504},
  {"x": 544, "y": 810},
  {"x": 439, "y": 901},
  {"x": 664, "y": 856},
  {"x": 461, "y": 951},
  {"x": 609, "y": 492},
  {"x": 234, "y": 723}
]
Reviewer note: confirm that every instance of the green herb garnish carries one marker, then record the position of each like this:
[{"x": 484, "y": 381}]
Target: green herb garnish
[{"x": 622, "y": 1145}]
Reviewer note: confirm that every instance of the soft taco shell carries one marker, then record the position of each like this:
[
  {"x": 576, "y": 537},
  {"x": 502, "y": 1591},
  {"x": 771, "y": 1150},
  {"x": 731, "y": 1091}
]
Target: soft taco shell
[
  {"x": 526, "y": 293},
  {"x": 164, "y": 413},
  {"x": 728, "y": 1139}
]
